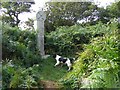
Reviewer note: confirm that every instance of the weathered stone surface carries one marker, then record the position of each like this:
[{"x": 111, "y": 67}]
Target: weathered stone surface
[{"x": 41, "y": 16}]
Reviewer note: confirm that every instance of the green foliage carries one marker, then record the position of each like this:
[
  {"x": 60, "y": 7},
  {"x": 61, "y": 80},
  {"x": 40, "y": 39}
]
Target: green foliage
[
  {"x": 18, "y": 77},
  {"x": 30, "y": 24},
  {"x": 67, "y": 13},
  {"x": 6, "y": 73},
  {"x": 98, "y": 65},
  {"x": 15, "y": 76},
  {"x": 114, "y": 9},
  {"x": 12, "y": 10},
  {"x": 21, "y": 45},
  {"x": 65, "y": 39},
  {"x": 68, "y": 40},
  {"x": 70, "y": 13}
]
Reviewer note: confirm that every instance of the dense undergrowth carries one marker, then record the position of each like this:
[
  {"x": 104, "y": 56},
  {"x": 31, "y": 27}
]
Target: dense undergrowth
[
  {"x": 69, "y": 40},
  {"x": 20, "y": 57},
  {"x": 98, "y": 65},
  {"x": 96, "y": 47},
  {"x": 20, "y": 45}
]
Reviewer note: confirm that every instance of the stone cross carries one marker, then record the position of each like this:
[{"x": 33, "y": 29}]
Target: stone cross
[{"x": 41, "y": 16}]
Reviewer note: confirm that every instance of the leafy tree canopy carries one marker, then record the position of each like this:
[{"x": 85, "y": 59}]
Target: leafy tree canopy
[
  {"x": 67, "y": 13},
  {"x": 13, "y": 9},
  {"x": 114, "y": 10}
]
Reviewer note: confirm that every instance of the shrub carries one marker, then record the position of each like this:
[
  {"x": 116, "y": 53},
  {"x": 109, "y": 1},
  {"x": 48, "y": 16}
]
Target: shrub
[
  {"x": 68, "y": 40},
  {"x": 21, "y": 45},
  {"x": 65, "y": 40},
  {"x": 98, "y": 65},
  {"x": 17, "y": 77}
]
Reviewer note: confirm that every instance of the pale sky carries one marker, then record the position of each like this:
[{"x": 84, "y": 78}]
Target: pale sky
[
  {"x": 40, "y": 3},
  {"x": 24, "y": 16}
]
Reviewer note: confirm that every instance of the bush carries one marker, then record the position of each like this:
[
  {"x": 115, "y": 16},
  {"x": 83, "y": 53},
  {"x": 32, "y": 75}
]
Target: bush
[
  {"x": 98, "y": 65},
  {"x": 69, "y": 40},
  {"x": 20, "y": 45},
  {"x": 65, "y": 40},
  {"x": 17, "y": 77}
]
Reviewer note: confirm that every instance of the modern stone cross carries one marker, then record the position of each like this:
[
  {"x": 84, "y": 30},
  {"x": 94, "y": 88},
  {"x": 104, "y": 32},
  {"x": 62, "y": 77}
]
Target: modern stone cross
[{"x": 41, "y": 16}]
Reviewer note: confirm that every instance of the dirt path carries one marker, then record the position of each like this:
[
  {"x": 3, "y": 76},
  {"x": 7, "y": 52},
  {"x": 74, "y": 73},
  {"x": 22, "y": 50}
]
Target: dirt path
[{"x": 49, "y": 85}]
